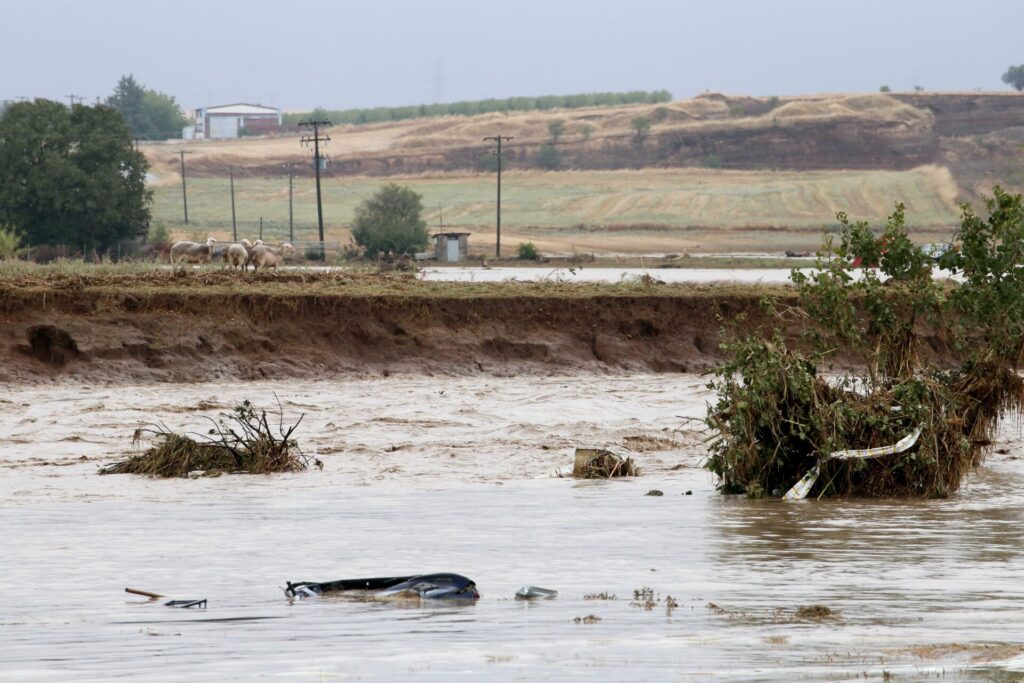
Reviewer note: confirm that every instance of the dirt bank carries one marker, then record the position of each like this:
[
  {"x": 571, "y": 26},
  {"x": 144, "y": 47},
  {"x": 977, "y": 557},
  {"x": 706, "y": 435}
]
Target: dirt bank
[{"x": 215, "y": 326}]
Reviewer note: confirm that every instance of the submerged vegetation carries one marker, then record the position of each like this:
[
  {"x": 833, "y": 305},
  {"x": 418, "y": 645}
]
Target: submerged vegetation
[
  {"x": 778, "y": 415},
  {"x": 240, "y": 442}
]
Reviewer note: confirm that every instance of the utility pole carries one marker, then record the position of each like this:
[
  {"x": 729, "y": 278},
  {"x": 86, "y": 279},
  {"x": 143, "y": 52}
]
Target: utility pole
[
  {"x": 498, "y": 139},
  {"x": 291, "y": 214},
  {"x": 184, "y": 193},
  {"x": 234, "y": 224},
  {"x": 316, "y": 139},
  {"x": 72, "y": 98}
]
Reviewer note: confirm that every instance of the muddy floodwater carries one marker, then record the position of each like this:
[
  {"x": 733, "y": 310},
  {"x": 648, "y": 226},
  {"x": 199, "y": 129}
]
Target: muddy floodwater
[{"x": 426, "y": 474}]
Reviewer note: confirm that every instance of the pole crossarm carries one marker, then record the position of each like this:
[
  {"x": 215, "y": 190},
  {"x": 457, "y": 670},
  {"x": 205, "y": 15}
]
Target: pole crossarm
[{"x": 316, "y": 139}]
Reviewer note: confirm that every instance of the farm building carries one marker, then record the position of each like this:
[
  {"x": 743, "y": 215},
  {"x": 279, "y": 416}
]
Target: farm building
[
  {"x": 451, "y": 247},
  {"x": 229, "y": 120}
]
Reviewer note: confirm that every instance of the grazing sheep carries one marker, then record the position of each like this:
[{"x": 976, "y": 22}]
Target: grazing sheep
[
  {"x": 237, "y": 256},
  {"x": 247, "y": 244},
  {"x": 192, "y": 252},
  {"x": 265, "y": 257}
]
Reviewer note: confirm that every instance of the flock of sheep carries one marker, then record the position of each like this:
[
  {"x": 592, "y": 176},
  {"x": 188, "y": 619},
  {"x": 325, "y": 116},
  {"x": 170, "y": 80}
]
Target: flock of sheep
[{"x": 238, "y": 255}]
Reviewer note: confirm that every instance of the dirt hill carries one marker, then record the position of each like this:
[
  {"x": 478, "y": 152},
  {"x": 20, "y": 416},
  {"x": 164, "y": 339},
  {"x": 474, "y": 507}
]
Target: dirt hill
[{"x": 874, "y": 131}]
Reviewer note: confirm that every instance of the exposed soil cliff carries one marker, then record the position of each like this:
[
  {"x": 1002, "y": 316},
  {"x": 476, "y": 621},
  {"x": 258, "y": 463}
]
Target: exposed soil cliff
[{"x": 202, "y": 331}]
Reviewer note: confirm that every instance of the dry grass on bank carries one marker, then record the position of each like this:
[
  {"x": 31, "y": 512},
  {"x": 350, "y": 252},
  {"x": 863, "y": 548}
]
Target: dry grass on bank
[{"x": 140, "y": 281}]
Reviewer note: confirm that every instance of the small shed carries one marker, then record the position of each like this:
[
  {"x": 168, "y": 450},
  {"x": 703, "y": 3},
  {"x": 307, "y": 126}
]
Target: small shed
[{"x": 451, "y": 247}]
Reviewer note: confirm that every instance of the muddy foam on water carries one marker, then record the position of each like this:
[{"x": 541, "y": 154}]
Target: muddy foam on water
[{"x": 424, "y": 474}]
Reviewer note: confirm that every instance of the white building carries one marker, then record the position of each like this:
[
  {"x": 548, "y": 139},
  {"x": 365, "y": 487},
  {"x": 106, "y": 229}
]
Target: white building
[{"x": 226, "y": 120}]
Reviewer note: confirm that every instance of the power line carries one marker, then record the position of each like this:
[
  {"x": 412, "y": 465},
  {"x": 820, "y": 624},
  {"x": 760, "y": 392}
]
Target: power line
[
  {"x": 498, "y": 139},
  {"x": 316, "y": 139}
]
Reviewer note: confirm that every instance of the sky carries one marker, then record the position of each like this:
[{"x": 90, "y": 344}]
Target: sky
[{"x": 344, "y": 54}]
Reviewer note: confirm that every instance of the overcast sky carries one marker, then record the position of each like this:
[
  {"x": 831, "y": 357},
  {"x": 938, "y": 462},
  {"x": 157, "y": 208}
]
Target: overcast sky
[{"x": 297, "y": 55}]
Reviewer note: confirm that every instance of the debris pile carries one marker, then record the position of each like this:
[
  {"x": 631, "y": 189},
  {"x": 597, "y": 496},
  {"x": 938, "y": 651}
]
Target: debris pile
[
  {"x": 597, "y": 463},
  {"x": 242, "y": 441}
]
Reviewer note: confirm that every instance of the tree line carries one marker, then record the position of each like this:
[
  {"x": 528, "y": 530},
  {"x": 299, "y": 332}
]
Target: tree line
[{"x": 488, "y": 106}]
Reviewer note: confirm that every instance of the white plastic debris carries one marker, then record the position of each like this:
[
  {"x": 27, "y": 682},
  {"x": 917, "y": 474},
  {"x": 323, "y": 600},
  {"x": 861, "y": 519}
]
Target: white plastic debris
[
  {"x": 803, "y": 487},
  {"x": 535, "y": 593}
]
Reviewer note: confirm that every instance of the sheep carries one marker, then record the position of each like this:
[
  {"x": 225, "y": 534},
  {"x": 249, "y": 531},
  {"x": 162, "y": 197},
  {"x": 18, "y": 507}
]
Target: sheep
[
  {"x": 265, "y": 257},
  {"x": 237, "y": 256},
  {"x": 192, "y": 252},
  {"x": 247, "y": 244}
]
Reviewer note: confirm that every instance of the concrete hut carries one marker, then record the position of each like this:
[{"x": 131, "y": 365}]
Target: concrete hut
[{"x": 451, "y": 247}]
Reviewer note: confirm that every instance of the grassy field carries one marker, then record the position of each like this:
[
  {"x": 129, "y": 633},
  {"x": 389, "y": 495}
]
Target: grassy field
[{"x": 600, "y": 211}]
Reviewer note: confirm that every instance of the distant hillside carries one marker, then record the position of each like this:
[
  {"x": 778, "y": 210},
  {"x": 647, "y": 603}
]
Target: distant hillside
[{"x": 977, "y": 136}]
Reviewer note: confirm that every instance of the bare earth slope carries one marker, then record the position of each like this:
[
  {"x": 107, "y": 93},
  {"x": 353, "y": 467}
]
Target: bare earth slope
[{"x": 207, "y": 326}]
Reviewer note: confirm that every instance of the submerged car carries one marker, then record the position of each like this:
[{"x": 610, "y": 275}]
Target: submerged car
[{"x": 425, "y": 586}]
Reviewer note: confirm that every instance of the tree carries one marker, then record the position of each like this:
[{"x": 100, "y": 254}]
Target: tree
[
  {"x": 641, "y": 127},
  {"x": 586, "y": 130},
  {"x": 782, "y": 408},
  {"x": 884, "y": 88},
  {"x": 70, "y": 176},
  {"x": 390, "y": 220},
  {"x": 548, "y": 157},
  {"x": 1014, "y": 77},
  {"x": 556, "y": 128},
  {"x": 150, "y": 115}
]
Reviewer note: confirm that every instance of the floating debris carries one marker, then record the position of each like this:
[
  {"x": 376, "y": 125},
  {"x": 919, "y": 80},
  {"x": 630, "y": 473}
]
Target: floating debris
[
  {"x": 597, "y": 463},
  {"x": 535, "y": 592},
  {"x": 655, "y": 492},
  {"x": 815, "y": 612},
  {"x": 186, "y": 604},
  {"x": 600, "y": 596},
  {"x": 240, "y": 442},
  {"x": 589, "y": 619}
]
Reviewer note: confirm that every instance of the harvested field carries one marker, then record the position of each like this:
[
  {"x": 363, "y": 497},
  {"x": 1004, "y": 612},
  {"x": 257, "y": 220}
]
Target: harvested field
[{"x": 617, "y": 211}]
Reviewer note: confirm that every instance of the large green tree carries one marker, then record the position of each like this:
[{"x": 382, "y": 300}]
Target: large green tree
[
  {"x": 390, "y": 220},
  {"x": 149, "y": 114},
  {"x": 1014, "y": 77},
  {"x": 70, "y": 176}
]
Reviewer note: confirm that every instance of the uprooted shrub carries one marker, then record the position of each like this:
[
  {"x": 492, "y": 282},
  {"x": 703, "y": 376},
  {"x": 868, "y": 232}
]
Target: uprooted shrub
[
  {"x": 778, "y": 414},
  {"x": 241, "y": 441}
]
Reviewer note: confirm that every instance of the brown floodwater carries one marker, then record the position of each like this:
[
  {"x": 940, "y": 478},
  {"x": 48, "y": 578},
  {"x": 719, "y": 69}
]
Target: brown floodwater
[{"x": 459, "y": 474}]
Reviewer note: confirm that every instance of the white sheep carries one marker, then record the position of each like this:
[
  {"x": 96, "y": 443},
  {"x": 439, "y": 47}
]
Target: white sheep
[
  {"x": 265, "y": 257},
  {"x": 247, "y": 244},
  {"x": 192, "y": 252},
  {"x": 237, "y": 256}
]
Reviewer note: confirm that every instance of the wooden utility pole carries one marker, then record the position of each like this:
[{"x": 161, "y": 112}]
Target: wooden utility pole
[
  {"x": 234, "y": 224},
  {"x": 316, "y": 139},
  {"x": 184, "y": 192},
  {"x": 498, "y": 139},
  {"x": 291, "y": 214}
]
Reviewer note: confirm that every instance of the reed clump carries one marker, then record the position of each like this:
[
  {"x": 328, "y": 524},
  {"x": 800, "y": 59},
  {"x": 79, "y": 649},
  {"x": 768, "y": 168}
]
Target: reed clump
[
  {"x": 242, "y": 441},
  {"x": 778, "y": 415}
]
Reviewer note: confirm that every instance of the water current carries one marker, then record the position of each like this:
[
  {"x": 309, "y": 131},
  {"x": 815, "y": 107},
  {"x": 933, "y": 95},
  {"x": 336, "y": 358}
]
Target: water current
[{"x": 426, "y": 474}]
